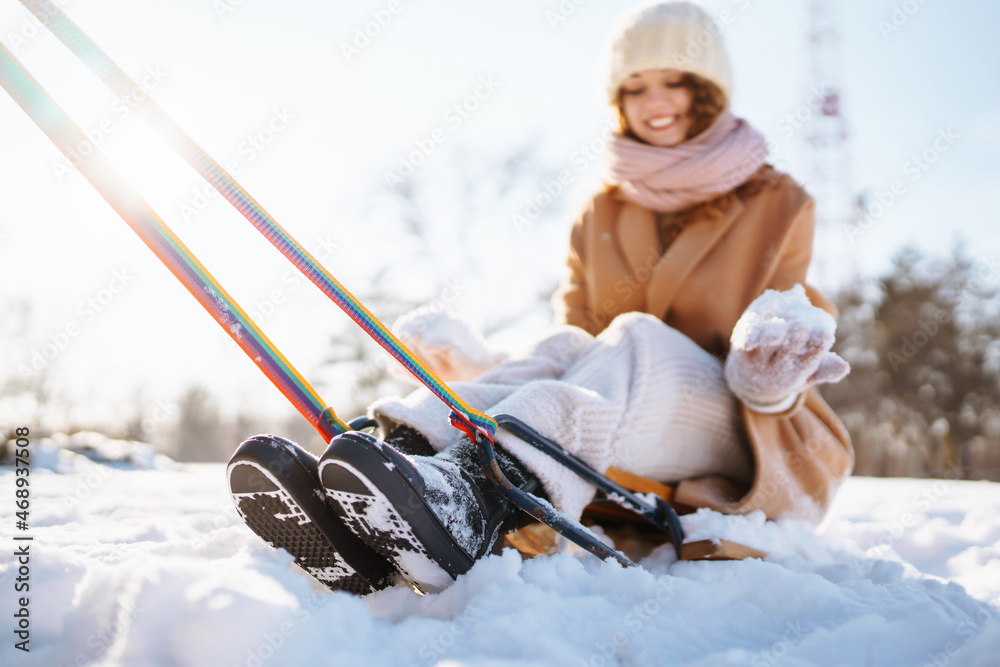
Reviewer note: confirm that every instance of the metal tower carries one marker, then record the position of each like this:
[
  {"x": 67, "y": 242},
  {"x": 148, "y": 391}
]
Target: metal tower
[{"x": 826, "y": 146}]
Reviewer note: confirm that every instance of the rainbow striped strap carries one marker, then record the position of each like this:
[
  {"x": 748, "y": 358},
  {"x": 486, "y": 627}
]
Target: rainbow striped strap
[
  {"x": 97, "y": 169},
  {"x": 123, "y": 86}
]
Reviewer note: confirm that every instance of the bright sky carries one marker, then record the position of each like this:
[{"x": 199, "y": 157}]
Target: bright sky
[{"x": 314, "y": 130}]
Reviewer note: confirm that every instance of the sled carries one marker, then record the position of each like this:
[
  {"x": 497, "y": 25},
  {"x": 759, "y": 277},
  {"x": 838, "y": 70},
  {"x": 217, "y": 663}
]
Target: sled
[{"x": 170, "y": 250}]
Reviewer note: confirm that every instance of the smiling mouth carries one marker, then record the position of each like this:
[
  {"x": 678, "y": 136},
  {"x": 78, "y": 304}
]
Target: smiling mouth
[{"x": 661, "y": 122}]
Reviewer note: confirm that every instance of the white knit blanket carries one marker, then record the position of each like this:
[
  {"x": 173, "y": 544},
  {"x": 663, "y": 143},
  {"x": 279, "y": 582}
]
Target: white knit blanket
[{"x": 640, "y": 396}]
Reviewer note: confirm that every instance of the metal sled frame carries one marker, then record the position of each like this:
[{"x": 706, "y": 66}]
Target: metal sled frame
[
  {"x": 161, "y": 240},
  {"x": 659, "y": 513}
]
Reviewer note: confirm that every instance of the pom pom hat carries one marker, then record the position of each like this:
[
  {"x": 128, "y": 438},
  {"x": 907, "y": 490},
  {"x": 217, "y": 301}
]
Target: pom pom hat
[{"x": 669, "y": 35}]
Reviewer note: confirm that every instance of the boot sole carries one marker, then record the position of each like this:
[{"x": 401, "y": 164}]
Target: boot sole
[
  {"x": 288, "y": 511},
  {"x": 368, "y": 491}
]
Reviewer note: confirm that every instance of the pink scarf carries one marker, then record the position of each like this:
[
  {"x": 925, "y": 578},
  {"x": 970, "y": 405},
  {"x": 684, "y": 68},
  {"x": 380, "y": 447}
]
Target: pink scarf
[{"x": 672, "y": 179}]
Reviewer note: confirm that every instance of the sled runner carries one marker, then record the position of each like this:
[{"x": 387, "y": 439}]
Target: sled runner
[{"x": 153, "y": 231}]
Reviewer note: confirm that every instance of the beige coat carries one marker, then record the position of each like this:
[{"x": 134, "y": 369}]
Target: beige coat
[{"x": 701, "y": 286}]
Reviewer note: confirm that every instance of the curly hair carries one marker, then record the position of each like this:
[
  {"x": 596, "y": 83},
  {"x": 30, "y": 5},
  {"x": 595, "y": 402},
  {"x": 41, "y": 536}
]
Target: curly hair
[{"x": 707, "y": 102}]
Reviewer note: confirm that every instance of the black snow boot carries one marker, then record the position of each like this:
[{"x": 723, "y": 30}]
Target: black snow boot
[
  {"x": 275, "y": 486},
  {"x": 432, "y": 517},
  {"x": 409, "y": 441}
]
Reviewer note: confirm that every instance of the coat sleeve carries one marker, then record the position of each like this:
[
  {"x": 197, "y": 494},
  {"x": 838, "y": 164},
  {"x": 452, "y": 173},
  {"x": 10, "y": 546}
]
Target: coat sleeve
[
  {"x": 803, "y": 454},
  {"x": 570, "y": 302}
]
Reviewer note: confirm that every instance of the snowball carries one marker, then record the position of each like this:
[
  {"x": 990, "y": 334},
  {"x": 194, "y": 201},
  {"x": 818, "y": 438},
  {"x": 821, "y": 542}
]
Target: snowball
[{"x": 772, "y": 316}]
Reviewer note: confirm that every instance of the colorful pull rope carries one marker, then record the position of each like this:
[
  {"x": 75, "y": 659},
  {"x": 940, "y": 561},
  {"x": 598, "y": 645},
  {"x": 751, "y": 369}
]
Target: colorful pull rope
[
  {"x": 97, "y": 169},
  {"x": 123, "y": 86}
]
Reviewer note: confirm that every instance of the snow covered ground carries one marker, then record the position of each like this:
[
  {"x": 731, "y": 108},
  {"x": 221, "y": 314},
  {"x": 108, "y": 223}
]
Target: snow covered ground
[{"x": 145, "y": 562}]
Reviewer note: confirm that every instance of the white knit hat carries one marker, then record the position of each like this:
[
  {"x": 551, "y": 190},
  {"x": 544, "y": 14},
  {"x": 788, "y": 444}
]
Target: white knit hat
[{"x": 669, "y": 35}]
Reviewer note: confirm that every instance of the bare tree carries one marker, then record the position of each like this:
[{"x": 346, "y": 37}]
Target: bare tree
[{"x": 923, "y": 397}]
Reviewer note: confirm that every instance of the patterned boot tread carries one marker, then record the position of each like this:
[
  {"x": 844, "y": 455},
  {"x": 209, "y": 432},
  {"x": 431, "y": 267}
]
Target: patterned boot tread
[
  {"x": 374, "y": 519},
  {"x": 279, "y": 521}
]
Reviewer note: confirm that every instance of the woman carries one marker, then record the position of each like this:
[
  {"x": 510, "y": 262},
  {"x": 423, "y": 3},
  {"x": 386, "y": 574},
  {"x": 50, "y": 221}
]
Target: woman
[{"x": 696, "y": 251}]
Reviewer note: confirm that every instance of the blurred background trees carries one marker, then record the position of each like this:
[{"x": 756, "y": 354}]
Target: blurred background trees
[{"x": 923, "y": 341}]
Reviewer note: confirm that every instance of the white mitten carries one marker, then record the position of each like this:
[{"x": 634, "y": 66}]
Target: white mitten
[
  {"x": 779, "y": 348},
  {"x": 446, "y": 343}
]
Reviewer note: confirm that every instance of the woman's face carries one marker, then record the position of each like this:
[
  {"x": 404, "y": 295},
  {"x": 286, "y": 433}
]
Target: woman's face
[{"x": 656, "y": 105}]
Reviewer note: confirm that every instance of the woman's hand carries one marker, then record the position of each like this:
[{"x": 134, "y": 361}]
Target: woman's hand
[{"x": 779, "y": 348}]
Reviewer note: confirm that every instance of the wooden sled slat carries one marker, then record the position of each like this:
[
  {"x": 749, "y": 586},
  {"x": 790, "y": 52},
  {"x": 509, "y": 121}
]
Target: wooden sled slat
[
  {"x": 719, "y": 550},
  {"x": 638, "y": 484},
  {"x": 538, "y": 539},
  {"x": 627, "y": 528}
]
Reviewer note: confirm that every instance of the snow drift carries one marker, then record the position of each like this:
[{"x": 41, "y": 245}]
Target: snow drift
[{"x": 137, "y": 560}]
